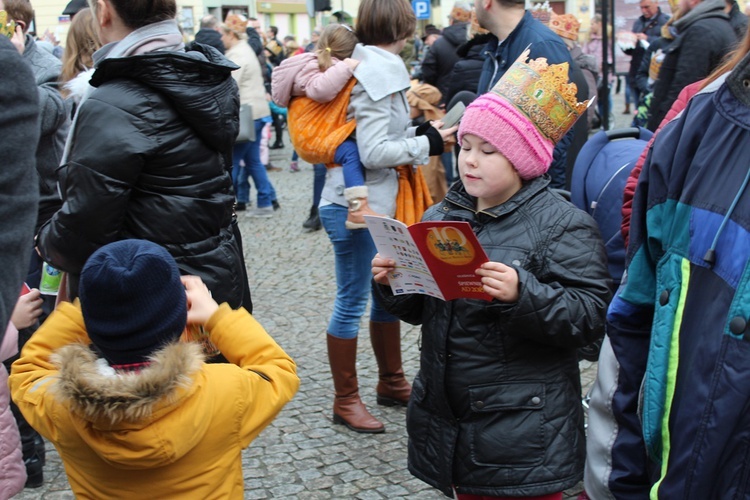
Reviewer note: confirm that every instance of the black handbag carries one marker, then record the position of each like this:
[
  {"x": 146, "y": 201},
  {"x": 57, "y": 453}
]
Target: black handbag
[{"x": 247, "y": 126}]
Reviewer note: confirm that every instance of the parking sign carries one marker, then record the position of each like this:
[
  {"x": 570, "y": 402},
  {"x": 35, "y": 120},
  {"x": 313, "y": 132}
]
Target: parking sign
[{"x": 421, "y": 8}]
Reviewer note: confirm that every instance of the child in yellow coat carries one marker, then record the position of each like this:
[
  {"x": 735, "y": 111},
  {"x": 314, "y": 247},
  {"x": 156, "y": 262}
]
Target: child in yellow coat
[{"x": 133, "y": 411}]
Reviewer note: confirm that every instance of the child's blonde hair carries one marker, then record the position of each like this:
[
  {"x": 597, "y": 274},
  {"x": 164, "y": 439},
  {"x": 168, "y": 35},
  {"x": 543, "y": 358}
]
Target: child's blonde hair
[
  {"x": 80, "y": 45},
  {"x": 337, "y": 40}
]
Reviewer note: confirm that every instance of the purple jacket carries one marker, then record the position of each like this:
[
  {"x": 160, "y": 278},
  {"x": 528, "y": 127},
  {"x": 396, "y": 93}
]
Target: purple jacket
[{"x": 301, "y": 76}]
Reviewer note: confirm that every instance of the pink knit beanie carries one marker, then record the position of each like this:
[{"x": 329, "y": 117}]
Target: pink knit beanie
[{"x": 496, "y": 121}]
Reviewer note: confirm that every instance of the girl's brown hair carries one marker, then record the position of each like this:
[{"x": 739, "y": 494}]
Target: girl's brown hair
[
  {"x": 731, "y": 60},
  {"x": 337, "y": 40},
  {"x": 80, "y": 45},
  {"x": 383, "y": 22},
  {"x": 138, "y": 13}
]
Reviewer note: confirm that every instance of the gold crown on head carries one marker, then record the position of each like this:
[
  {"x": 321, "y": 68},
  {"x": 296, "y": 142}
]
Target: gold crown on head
[
  {"x": 565, "y": 25},
  {"x": 543, "y": 94},
  {"x": 236, "y": 23},
  {"x": 542, "y": 12}
]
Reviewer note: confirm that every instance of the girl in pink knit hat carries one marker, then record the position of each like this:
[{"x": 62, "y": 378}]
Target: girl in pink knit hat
[{"x": 495, "y": 411}]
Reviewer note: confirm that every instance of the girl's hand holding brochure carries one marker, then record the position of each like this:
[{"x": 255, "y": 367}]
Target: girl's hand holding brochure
[
  {"x": 499, "y": 281},
  {"x": 381, "y": 267}
]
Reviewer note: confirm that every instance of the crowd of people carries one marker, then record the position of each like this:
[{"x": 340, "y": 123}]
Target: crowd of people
[{"x": 128, "y": 158}]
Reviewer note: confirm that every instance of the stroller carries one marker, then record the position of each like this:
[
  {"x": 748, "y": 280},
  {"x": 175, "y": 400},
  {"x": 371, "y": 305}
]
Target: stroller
[{"x": 597, "y": 185}]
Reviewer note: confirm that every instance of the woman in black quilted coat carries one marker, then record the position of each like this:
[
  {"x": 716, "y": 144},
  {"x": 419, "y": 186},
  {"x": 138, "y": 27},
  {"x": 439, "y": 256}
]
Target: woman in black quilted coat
[{"x": 149, "y": 156}]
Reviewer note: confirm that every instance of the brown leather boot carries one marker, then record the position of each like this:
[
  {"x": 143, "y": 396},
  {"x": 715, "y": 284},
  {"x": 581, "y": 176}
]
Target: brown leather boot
[
  {"x": 347, "y": 407},
  {"x": 393, "y": 389}
]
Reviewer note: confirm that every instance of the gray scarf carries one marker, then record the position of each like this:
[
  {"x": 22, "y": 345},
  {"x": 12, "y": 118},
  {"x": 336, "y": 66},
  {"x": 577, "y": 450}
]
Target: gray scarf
[{"x": 163, "y": 36}]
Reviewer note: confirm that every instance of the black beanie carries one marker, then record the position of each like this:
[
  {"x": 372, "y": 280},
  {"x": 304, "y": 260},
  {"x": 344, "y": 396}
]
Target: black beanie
[{"x": 132, "y": 300}]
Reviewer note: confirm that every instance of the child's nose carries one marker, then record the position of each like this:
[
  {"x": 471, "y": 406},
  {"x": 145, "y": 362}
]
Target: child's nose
[{"x": 471, "y": 158}]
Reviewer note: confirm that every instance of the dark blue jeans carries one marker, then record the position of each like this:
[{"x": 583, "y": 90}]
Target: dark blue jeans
[
  {"x": 249, "y": 152},
  {"x": 353, "y": 252}
]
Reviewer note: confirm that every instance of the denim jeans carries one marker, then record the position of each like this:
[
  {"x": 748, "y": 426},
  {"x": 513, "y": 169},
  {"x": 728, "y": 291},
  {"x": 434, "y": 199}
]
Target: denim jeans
[
  {"x": 319, "y": 181},
  {"x": 249, "y": 153},
  {"x": 353, "y": 252}
]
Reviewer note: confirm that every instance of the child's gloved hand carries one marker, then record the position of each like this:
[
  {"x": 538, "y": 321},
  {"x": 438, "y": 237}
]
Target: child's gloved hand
[
  {"x": 499, "y": 281},
  {"x": 27, "y": 310},
  {"x": 380, "y": 269},
  {"x": 201, "y": 306}
]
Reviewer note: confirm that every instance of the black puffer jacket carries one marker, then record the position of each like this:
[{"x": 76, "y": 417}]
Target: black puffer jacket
[
  {"x": 439, "y": 61},
  {"x": 496, "y": 406},
  {"x": 468, "y": 69},
  {"x": 151, "y": 159}
]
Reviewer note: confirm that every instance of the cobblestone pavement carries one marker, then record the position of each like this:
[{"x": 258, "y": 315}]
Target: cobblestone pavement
[{"x": 302, "y": 454}]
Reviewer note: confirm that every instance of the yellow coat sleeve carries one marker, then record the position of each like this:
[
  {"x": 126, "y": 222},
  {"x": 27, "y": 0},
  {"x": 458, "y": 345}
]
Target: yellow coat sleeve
[
  {"x": 32, "y": 374},
  {"x": 272, "y": 375}
]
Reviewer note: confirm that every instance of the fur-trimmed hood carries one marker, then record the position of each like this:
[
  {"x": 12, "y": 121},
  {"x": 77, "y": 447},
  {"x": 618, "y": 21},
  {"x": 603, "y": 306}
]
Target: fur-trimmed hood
[{"x": 136, "y": 411}]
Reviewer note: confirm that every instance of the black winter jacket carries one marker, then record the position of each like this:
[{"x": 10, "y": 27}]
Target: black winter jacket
[
  {"x": 496, "y": 406},
  {"x": 439, "y": 61},
  {"x": 208, "y": 36},
  {"x": 151, "y": 159},
  {"x": 467, "y": 70},
  {"x": 704, "y": 37}
]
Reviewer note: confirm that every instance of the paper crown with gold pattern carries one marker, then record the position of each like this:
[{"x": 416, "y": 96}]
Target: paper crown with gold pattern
[
  {"x": 566, "y": 25},
  {"x": 543, "y": 93},
  {"x": 542, "y": 12},
  {"x": 526, "y": 113},
  {"x": 236, "y": 23}
]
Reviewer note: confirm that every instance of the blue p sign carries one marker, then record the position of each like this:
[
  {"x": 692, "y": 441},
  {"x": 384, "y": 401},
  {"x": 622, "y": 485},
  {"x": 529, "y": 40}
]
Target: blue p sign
[{"x": 421, "y": 8}]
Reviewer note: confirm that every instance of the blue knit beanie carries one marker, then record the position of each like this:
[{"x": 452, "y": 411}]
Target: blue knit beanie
[{"x": 132, "y": 300}]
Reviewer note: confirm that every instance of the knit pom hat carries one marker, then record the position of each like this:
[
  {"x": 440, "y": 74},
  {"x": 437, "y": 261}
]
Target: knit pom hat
[
  {"x": 132, "y": 300},
  {"x": 525, "y": 114},
  {"x": 494, "y": 120}
]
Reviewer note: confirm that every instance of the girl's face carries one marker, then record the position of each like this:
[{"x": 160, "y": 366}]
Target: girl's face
[{"x": 486, "y": 173}]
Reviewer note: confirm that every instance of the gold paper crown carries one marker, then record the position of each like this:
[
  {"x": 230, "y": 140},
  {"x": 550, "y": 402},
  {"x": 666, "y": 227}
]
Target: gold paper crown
[
  {"x": 236, "y": 23},
  {"x": 7, "y": 28},
  {"x": 542, "y": 12},
  {"x": 543, "y": 94},
  {"x": 566, "y": 25}
]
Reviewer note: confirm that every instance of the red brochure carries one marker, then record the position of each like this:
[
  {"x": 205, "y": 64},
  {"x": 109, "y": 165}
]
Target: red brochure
[{"x": 436, "y": 258}]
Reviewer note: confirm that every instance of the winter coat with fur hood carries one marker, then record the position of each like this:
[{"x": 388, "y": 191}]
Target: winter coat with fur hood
[{"x": 173, "y": 430}]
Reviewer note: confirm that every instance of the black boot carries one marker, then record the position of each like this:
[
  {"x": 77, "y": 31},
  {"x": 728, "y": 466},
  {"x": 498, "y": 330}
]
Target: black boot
[
  {"x": 313, "y": 221},
  {"x": 277, "y": 145}
]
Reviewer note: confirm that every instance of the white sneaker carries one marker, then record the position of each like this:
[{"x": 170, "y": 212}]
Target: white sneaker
[{"x": 261, "y": 212}]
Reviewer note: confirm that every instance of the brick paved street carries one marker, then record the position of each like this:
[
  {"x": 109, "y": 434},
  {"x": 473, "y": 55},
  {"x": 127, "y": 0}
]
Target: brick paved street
[{"x": 302, "y": 454}]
